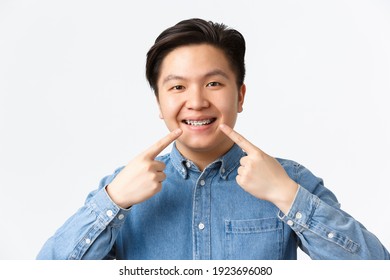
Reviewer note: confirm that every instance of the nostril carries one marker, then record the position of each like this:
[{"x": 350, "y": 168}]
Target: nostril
[{"x": 197, "y": 102}]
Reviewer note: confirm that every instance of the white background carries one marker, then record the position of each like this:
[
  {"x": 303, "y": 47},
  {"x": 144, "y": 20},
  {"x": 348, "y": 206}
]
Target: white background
[{"x": 75, "y": 104}]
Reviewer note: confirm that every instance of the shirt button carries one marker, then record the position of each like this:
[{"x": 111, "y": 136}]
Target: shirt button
[
  {"x": 188, "y": 164},
  {"x": 201, "y": 226},
  {"x": 298, "y": 215},
  {"x": 109, "y": 213},
  {"x": 121, "y": 216},
  {"x": 330, "y": 235},
  {"x": 290, "y": 223},
  {"x": 223, "y": 170},
  {"x": 202, "y": 182},
  {"x": 88, "y": 241}
]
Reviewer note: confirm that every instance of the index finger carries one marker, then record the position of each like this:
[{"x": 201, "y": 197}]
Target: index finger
[
  {"x": 238, "y": 139},
  {"x": 161, "y": 144}
]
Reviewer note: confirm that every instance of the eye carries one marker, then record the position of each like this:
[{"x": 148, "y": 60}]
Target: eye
[
  {"x": 213, "y": 84},
  {"x": 177, "y": 87}
]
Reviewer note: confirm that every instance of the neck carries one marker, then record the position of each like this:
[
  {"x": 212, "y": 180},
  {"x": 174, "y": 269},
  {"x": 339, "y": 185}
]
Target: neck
[{"x": 203, "y": 157}]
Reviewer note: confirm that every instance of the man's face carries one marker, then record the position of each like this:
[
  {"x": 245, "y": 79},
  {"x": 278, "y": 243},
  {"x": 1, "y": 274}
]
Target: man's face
[{"x": 197, "y": 92}]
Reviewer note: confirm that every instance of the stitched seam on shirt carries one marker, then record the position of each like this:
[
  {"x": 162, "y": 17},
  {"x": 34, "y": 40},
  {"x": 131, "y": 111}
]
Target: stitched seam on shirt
[
  {"x": 339, "y": 239},
  {"x": 81, "y": 247},
  {"x": 232, "y": 227}
]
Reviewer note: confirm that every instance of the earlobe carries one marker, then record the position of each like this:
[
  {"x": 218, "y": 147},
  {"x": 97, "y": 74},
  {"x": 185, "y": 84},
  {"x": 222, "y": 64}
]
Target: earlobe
[
  {"x": 160, "y": 114},
  {"x": 241, "y": 97}
]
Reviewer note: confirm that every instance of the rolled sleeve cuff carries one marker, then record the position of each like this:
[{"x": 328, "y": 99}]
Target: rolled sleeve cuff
[
  {"x": 301, "y": 210},
  {"x": 108, "y": 212},
  {"x": 301, "y": 218}
]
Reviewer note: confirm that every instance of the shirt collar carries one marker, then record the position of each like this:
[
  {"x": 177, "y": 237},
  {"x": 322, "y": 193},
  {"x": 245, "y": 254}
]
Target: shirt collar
[{"x": 226, "y": 163}]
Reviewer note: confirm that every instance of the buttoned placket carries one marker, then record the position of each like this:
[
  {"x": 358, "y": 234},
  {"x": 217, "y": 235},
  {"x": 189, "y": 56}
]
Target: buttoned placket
[
  {"x": 201, "y": 211},
  {"x": 201, "y": 215}
]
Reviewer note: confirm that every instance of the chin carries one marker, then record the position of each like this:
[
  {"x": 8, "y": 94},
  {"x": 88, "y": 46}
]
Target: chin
[{"x": 203, "y": 145}]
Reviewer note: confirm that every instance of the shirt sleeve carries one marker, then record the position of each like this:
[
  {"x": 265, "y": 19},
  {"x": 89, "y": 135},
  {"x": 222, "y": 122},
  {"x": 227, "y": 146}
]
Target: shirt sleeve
[
  {"x": 324, "y": 230},
  {"x": 91, "y": 232}
]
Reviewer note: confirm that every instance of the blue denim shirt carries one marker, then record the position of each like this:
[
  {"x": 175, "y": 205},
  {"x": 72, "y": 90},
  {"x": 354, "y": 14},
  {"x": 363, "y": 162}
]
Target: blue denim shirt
[{"x": 207, "y": 215}]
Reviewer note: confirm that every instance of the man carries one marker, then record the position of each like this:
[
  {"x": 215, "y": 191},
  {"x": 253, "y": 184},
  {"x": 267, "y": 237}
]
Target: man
[{"x": 216, "y": 195}]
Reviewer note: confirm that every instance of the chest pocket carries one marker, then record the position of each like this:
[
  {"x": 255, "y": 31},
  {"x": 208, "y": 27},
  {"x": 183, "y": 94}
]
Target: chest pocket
[{"x": 253, "y": 239}]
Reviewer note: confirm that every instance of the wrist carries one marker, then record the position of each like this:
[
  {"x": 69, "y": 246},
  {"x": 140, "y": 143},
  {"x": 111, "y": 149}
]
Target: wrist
[
  {"x": 285, "y": 195},
  {"x": 110, "y": 190}
]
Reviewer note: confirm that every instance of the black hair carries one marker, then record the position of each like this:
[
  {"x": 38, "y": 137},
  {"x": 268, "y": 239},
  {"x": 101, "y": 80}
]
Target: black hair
[{"x": 197, "y": 31}]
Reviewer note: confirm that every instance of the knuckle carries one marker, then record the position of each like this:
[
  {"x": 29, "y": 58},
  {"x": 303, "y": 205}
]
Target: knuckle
[
  {"x": 154, "y": 177},
  {"x": 243, "y": 160},
  {"x": 157, "y": 187},
  {"x": 144, "y": 156},
  {"x": 147, "y": 167},
  {"x": 241, "y": 180},
  {"x": 160, "y": 165},
  {"x": 160, "y": 145},
  {"x": 238, "y": 179},
  {"x": 239, "y": 138}
]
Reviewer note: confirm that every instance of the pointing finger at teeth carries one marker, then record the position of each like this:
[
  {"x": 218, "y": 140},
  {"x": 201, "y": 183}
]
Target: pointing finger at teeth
[
  {"x": 240, "y": 140},
  {"x": 161, "y": 144}
]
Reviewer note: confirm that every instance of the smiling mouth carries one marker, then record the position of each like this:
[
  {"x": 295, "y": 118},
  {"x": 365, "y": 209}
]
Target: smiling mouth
[{"x": 199, "y": 122}]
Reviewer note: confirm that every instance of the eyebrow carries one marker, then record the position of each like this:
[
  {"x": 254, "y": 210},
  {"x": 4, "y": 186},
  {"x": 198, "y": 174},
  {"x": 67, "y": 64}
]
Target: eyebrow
[{"x": 216, "y": 72}]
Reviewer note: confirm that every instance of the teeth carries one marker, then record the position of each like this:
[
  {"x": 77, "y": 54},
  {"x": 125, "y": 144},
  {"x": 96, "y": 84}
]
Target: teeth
[{"x": 198, "y": 123}]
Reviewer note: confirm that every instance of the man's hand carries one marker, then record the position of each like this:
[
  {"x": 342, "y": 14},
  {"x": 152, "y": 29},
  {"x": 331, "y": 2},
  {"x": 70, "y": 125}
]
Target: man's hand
[
  {"x": 262, "y": 175},
  {"x": 142, "y": 177}
]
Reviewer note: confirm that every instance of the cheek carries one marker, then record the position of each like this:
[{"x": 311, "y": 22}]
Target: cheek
[
  {"x": 228, "y": 107},
  {"x": 169, "y": 108}
]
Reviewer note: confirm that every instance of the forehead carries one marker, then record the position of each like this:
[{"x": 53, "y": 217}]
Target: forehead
[{"x": 194, "y": 61}]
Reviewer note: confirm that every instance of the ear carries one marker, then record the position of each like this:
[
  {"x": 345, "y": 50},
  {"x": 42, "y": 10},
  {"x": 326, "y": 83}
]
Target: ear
[{"x": 241, "y": 97}]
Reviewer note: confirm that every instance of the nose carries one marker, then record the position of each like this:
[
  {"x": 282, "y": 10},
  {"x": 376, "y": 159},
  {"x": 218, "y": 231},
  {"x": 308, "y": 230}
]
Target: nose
[{"x": 197, "y": 100}]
